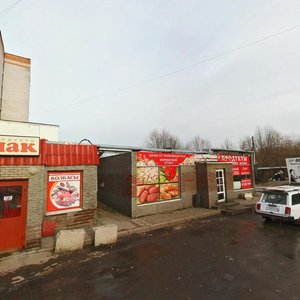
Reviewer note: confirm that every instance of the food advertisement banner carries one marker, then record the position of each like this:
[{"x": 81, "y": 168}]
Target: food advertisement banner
[
  {"x": 158, "y": 173},
  {"x": 158, "y": 176},
  {"x": 64, "y": 191},
  {"x": 175, "y": 159},
  {"x": 160, "y": 159},
  {"x": 293, "y": 169}
]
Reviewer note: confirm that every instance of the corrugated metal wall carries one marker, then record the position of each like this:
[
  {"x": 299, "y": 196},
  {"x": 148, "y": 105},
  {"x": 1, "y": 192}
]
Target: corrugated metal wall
[{"x": 56, "y": 155}]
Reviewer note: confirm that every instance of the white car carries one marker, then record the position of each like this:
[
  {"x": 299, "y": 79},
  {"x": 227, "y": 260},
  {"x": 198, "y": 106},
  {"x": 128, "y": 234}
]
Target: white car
[{"x": 281, "y": 202}]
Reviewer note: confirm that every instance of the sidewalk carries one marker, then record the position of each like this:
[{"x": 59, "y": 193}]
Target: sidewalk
[{"x": 128, "y": 226}]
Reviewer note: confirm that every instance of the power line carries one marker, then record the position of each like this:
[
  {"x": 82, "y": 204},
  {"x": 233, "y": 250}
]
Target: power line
[
  {"x": 180, "y": 69},
  {"x": 9, "y": 8}
]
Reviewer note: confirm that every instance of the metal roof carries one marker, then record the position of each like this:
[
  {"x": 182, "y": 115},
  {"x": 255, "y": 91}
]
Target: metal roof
[
  {"x": 53, "y": 154},
  {"x": 136, "y": 148}
]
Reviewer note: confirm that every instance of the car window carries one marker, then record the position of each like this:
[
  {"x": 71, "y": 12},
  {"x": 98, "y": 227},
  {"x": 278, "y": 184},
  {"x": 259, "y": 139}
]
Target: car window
[
  {"x": 274, "y": 198},
  {"x": 295, "y": 199}
]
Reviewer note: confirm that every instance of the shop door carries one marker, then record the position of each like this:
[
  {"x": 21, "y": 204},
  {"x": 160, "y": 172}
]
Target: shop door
[
  {"x": 13, "y": 212},
  {"x": 220, "y": 185}
]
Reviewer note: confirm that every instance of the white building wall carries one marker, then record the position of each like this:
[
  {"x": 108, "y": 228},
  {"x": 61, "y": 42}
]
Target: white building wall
[
  {"x": 43, "y": 131},
  {"x": 1, "y": 68},
  {"x": 16, "y": 86}
]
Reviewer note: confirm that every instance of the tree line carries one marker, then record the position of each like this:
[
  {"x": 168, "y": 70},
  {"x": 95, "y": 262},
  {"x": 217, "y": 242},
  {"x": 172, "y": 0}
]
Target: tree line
[
  {"x": 163, "y": 139},
  {"x": 271, "y": 148}
]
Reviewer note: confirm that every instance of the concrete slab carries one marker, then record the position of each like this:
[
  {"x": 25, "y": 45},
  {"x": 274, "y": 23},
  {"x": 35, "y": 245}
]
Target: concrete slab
[
  {"x": 106, "y": 234},
  {"x": 248, "y": 196},
  {"x": 69, "y": 240}
]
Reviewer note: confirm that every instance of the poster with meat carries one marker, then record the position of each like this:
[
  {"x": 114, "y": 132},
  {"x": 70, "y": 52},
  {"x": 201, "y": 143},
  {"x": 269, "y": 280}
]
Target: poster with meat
[
  {"x": 157, "y": 176},
  {"x": 64, "y": 191}
]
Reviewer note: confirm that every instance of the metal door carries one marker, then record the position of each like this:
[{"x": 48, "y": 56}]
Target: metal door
[
  {"x": 13, "y": 212},
  {"x": 220, "y": 185}
]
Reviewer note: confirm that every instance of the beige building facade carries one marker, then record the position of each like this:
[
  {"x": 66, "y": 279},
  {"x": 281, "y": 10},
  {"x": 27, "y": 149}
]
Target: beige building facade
[
  {"x": 15, "y": 88},
  {"x": 14, "y": 99}
]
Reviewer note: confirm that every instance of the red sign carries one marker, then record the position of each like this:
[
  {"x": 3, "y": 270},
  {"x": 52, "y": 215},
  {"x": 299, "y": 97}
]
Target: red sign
[
  {"x": 160, "y": 159},
  {"x": 245, "y": 170},
  {"x": 246, "y": 183},
  {"x": 64, "y": 191},
  {"x": 235, "y": 170},
  {"x": 234, "y": 159}
]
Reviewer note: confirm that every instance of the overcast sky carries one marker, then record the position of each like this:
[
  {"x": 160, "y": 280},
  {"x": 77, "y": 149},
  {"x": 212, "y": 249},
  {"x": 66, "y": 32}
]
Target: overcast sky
[{"x": 112, "y": 71}]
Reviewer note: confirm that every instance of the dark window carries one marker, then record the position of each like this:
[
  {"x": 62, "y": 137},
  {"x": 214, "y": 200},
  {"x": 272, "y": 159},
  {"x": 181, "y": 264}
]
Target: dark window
[
  {"x": 10, "y": 201},
  {"x": 295, "y": 199},
  {"x": 274, "y": 198}
]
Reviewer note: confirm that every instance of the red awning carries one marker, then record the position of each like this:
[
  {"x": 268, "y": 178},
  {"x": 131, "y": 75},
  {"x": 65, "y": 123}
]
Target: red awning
[{"x": 56, "y": 155}]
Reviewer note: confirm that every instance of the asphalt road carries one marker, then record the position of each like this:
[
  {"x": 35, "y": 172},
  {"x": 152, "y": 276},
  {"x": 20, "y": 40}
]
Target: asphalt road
[{"x": 235, "y": 257}]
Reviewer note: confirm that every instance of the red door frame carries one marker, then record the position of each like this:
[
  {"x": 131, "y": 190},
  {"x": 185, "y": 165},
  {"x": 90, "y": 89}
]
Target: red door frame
[{"x": 13, "y": 228}]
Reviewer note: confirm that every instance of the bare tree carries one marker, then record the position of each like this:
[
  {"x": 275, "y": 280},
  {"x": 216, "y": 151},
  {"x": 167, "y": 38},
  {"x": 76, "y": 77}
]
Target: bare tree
[
  {"x": 271, "y": 149},
  {"x": 268, "y": 147},
  {"x": 228, "y": 144},
  {"x": 246, "y": 143},
  {"x": 198, "y": 144},
  {"x": 162, "y": 139}
]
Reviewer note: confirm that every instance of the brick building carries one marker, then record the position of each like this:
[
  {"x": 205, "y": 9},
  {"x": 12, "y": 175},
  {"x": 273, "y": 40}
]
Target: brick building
[
  {"x": 43, "y": 192},
  {"x": 139, "y": 183},
  {"x": 44, "y": 186}
]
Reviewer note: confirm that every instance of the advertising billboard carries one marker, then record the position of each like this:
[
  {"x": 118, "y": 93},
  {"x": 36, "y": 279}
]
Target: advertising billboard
[
  {"x": 157, "y": 176},
  {"x": 158, "y": 173},
  {"x": 64, "y": 191},
  {"x": 293, "y": 169},
  {"x": 241, "y": 170}
]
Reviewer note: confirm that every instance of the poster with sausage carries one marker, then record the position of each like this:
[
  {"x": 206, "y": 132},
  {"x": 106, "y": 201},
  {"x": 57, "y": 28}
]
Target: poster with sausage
[
  {"x": 64, "y": 191},
  {"x": 158, "y": 176}
]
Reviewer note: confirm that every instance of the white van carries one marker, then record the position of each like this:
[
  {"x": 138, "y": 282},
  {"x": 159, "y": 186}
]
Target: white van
[{"x": 281, "y": 202}]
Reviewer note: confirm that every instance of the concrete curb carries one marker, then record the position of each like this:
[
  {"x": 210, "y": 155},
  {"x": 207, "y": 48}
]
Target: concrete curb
[{"x": 167, "y": 224}]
